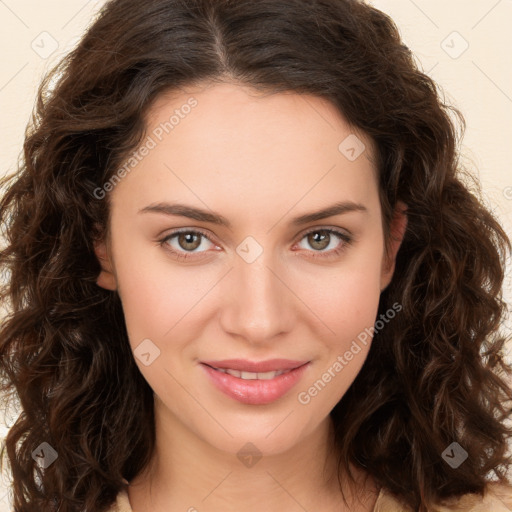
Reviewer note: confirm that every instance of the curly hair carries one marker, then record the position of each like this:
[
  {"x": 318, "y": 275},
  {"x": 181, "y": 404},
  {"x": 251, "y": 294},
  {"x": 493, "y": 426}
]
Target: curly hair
[{"x": 434, "y": 375}]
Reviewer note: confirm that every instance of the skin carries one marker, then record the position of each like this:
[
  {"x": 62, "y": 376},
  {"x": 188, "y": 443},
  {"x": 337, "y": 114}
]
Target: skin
[{"x": 259, "y": 160}]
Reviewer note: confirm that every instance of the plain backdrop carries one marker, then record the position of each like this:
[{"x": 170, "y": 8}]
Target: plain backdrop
[{"x": 463, "y": 45}]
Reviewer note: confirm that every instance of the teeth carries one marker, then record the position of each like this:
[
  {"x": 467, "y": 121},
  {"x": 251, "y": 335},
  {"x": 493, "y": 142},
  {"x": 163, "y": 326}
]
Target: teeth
[{"x": 252, "y": 375}]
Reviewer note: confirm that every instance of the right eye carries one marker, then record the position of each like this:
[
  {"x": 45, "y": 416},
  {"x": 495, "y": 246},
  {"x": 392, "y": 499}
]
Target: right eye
[{"x": 187, "y": 242}]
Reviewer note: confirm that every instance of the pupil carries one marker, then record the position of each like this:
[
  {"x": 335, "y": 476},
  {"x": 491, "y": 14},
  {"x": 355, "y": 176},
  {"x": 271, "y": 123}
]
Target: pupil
[
  {"x": 189, "y": 239},
  {"x": 317, "y": 238}
]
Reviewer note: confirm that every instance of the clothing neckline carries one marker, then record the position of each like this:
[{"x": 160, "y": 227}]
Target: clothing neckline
[
  {"x": 123, "y": 501},
  {"x": 497, "y": 497}
]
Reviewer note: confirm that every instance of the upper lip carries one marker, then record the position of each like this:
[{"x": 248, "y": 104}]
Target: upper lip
[{"x": 256, "y": 366}]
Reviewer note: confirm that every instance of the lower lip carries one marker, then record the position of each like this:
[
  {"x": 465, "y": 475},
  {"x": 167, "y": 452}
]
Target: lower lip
[{"x": 255, "y": 392}]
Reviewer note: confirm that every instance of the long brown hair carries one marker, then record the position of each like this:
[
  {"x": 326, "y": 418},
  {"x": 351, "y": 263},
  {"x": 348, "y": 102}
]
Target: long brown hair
[{"x": 434, "y": 375}]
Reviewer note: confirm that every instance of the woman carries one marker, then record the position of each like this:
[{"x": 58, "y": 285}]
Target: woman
[{"x": 245, "y": 273}]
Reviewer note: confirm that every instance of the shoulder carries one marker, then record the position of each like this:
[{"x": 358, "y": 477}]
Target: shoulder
[
  {"x": 122, "y": 503},
  {"x": 497, "y": 498}
]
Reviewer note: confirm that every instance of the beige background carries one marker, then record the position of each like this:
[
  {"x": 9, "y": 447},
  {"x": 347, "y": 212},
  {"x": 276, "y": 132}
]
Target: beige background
[{"x": 464, "y": 45}]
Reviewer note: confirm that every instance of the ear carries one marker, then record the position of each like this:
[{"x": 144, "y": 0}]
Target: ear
[
  {"x": 397, "y": 232},
  {"x": 106, "y": 278}
]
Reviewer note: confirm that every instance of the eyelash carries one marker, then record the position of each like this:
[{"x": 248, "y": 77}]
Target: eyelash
[{"x": 347, "y": 240}]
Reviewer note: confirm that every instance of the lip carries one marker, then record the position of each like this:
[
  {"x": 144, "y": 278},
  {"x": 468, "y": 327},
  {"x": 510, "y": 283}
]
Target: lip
[
  {"x": 255, "y": 392},
  {"x": 243, "y": 365}
]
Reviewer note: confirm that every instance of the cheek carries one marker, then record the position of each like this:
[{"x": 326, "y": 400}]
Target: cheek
[
  {"x": 349, "y": 311},
  {"x": 149, "y": 292},
  {"x": 345, "y": 297},
  {"x": 153, "y": 304},
  {"x": 354, "y": 298},
  {"x": 162, "y": 301}
]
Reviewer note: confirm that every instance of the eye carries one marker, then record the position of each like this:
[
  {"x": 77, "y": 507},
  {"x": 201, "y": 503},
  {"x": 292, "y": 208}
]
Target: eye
[
  {"x": 320, "y": 239},
  {"x": 187, "y": 240}
]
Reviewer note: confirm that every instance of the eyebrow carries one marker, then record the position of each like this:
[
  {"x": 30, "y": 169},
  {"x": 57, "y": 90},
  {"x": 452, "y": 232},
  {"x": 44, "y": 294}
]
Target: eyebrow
[{"x": 191, "y": 212}]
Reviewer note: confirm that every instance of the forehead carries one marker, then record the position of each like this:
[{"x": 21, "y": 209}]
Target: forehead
[
  {"x": 245, "y": 145},
  {"x": 241, "y": 114}
]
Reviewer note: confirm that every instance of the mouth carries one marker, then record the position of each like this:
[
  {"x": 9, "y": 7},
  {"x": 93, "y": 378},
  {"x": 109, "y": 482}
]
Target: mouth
[
  {"x": 255, "y": 387},
  {"x": 245, "y": 375},
  {"x": 245, "y": 369}
]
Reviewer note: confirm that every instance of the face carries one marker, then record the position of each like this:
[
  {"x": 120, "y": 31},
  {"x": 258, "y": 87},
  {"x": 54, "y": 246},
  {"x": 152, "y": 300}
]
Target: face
[{"x": 252, "y": 277}]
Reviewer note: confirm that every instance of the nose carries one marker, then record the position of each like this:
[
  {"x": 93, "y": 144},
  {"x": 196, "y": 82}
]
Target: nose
[{"x": 257, "y": 302}]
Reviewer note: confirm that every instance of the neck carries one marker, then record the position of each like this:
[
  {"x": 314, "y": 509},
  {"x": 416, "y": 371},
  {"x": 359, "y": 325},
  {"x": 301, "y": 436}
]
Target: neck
[{"x": 186, "y": 473}]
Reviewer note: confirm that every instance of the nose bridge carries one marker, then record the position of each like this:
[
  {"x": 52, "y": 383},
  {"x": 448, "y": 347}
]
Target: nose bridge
[{"x": 258, "y": 304}]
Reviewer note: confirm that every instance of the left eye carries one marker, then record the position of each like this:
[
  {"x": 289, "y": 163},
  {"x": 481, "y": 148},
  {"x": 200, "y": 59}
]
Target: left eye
[{"x": 320, "y": 239}]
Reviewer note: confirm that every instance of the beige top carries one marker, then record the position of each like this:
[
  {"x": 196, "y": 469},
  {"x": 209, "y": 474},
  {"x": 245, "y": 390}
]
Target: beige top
[{"x": 498, "y": 498}]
